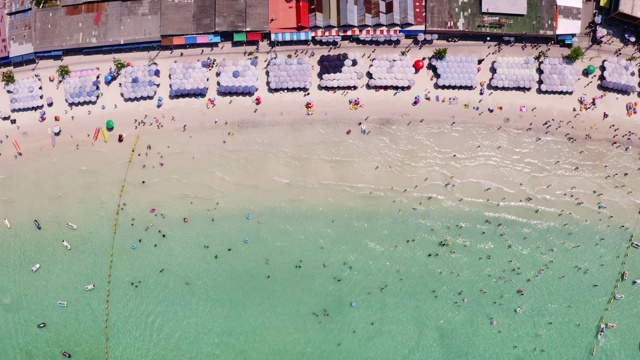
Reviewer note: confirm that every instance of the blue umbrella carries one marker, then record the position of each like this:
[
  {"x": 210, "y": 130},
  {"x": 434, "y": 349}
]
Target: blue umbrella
[
  {"x": 254, "y": 62},
  {"x": 157, "y": 72},
  {"x": 172, "y": 93},
  {"x": 236, "y": 74},
  {"x": 252, "y": 89},
  {"x": 245, "y": 89}
]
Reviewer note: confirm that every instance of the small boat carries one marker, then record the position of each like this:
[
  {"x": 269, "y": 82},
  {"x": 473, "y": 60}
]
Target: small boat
[
  {"x": 634, "y": 244},
  {"x": 601, "y": 331},
  {"x": 62, "y": 303},
  {"x": 37, "y": 224},
  {"x": 105, "y": 137},
  {"x": 612, "y": 325},
  {"x": 96, "y": 134},
  {"x": 17, "y": 146},
  {"x": 41, "y": 325},
  {"x": 35, "y": 268},
  {"x": 66, "y": 244},
  {"x": 6, "y": 223},
  {"x": 65, "y": 354},
  {"x": 625, "y": 275},
  {"x": 89, "y": 287},
  {"x": 636, "y": 282},
  {"x": 71, "y": 226},
  {"x": 618, "y": 296}
]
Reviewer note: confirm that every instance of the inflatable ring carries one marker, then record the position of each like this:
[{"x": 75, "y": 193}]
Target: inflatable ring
[
  {"x": 246, "y": 241},
  {"x": 248, "y": 216},
  {"x": 185, "y": 220},
  {"x": 133, "y": 246},
  {"x": 353, "y": 304}
]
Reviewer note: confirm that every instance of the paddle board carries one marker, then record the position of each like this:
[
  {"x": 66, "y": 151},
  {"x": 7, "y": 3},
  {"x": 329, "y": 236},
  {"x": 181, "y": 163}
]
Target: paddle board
[
  {"x": 105, "y": 137},
  {"x": 17, "y": 146}
]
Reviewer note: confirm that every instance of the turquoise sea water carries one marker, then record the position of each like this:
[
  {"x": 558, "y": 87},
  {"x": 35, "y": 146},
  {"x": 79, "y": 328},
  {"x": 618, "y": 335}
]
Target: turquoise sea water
[{"x": 197, "y": 290}]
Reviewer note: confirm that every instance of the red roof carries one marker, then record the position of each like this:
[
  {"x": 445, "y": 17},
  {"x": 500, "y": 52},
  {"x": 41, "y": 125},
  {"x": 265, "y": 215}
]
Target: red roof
[
  {"x": 288, "y": 15},
  {"x": 419, "y": 9},
  {"x": 255, "y": 36}
]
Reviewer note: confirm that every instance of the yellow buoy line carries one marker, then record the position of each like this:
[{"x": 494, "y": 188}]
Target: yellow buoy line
[
  {"x": 618, "y": 281},
  {"x": 115, "y": 229}
]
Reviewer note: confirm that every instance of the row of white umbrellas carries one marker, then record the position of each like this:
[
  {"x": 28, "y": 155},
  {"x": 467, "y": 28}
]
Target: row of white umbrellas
[{"x": 25, "y": 94}]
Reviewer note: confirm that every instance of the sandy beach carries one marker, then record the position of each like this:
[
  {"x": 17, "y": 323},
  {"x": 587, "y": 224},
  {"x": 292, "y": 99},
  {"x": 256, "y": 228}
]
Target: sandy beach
[{"x": 427, "y": 226}]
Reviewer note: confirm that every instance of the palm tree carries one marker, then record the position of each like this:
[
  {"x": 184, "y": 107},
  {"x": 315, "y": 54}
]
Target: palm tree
[
  {"x": 119, "y": 65},
  {"x": 8, "y": 77},
  {"x": 63, "y": 71},
  {"x": 440, "y": 53}
]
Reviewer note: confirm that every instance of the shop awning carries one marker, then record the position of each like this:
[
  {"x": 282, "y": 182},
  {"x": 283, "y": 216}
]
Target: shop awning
[
  {"x": 354, "y": 32},
  {"x": 190, "y": 40},
  {"x": 255, "y": 36},
  {"x": 203, "y": 39},
  {"x": 294, "y": 36},
  {"x": 239, "y": 37}
]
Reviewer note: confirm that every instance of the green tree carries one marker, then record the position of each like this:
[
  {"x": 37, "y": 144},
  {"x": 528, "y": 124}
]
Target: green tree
[
  {"x": 575, "y": 54},
  {"x": 119, "y": 64},
  {"x": 8, "y": 77},
  {"x": 440, "y": 53},
  {"x": 63, "y": 71}
]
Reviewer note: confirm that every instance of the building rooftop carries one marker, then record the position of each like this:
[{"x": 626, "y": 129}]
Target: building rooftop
[
  {"x": 257, "y": 15},
  {"x": 512, "y": 7},
  {"x": 4, "y": 45},
  {"x": 569, "y": 15},
  {"x": 97, "y": 24},
  {"x": 467, "y": 16},
  {"x": 180, "y": 17},
  {"x": 631, "y": 7},
  {"x": 20, "y": 33}
]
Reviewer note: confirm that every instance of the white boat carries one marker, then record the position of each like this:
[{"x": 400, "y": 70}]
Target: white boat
[
  {"x": 618, "y": 296},
  {"x": 6, "y": 223},
  {"x": 634, "y": 244},
  {"x": 89, "y": 287},
  {"x": 35, "y": 268},
  {"x": 71, "y": 226},
  {"x": 636, "y": 282},
  {"x": 66, "y": 244},
  {"x": 62, "y": 303}
]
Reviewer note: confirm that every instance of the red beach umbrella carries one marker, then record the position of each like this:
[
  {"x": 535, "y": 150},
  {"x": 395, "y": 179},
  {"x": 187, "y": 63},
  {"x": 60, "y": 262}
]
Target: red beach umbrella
[{"x": 418, "y": 65}]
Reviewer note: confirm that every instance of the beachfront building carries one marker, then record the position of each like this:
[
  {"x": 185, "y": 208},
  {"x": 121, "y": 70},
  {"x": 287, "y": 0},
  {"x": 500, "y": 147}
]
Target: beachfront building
[
  {"x": 4, "y": 47},
  {"x": 625, "y": 10},
  {"x": 354, "y": 13},
  {"x": 569, "y": 21},
  {"x": 89, "y": 26},
  {"x": 506, "y": 19}
]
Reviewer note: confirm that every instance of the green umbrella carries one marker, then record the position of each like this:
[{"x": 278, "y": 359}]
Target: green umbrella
[
  {"x": 109, "y": 124},
  {"x": 591, "y": 69}
]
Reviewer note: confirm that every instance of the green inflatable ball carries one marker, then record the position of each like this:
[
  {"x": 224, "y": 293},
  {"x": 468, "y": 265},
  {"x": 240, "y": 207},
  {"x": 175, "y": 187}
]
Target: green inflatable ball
[{"x": 109, "y": 124}]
